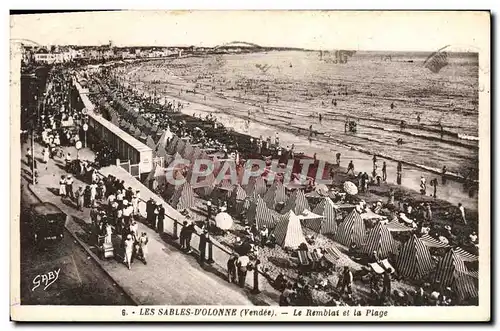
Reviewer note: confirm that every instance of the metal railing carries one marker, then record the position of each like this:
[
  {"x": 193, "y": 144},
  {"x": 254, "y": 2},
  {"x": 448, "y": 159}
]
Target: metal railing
[{"x": 215, "y": 252}]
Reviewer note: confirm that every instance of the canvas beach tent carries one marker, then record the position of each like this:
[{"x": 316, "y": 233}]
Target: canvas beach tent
[
  {"x": 276, "y": 194},
  {"x": 156, "y": 177},
  {"x": 327, "y": 224},
  {"x": 288, "y": 231},
  {"x": 238, "y": 196},
  {"x": 414, "y": 260},
  {"x": 183, "y": 197},
  {"x": 259, "y": 214},
  {"x": 351, "y": 230},
  {"x": 296, "y": 202},
  {"x": 451, "y": 272},
  {"x": 379, "y": 240}
]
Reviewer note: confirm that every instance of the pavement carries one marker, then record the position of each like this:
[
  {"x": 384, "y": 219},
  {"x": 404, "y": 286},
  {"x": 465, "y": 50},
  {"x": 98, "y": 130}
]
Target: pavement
[
  {"x": 171, "y": 276},
  {"x": 80, "y": 279}
]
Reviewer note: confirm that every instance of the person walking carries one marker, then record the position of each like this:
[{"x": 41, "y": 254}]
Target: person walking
[
  {"x": 337, "y": 157},
  {"x": 350, "y": 167},
  {"x": 434, "y": 183},
  {"x": 161, "y": 217},
  {"x": 242, "y": 264},
  {"x": 189, "y": 234},
  {"x": 347, "y": 279},
  {"x": 69, "y": 186},
  {"x": 423, "y": 185},
  {"x": 202, "y": 248},
  {"x": 231, "y": 269},
  {"x": 384, "y": 171},
  {"x": 62, "y": 186},
  {"x": 80, "y": 198},
  {"x": 461, "y": 208},
  {"x": 183, "y": 235},
  {"x": 386, "y": 290},
  {"x": 443, "y": 175},
  {"x": 143, "y": 246},
  {"x": 129, "y": 248}
]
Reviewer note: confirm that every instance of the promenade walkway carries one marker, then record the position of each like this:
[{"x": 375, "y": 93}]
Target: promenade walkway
[{"x": 170, "y": 277}]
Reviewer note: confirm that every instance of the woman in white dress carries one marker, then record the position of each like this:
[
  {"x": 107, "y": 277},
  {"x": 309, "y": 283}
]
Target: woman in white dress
[
  {"x": 109, "y": 231},
  {"x": 45, "y": 155},
  {"x": 62, "y": 186},
  {"x": 129, "y": 248}
]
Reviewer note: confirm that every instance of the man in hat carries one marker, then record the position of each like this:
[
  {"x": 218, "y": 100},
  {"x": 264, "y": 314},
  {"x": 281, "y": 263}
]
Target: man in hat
[
  {"x": 231, "y": 268},
  {"x": 242, "y": 264},
  {"x": 183, "y": 235},
  {"x": 386, "y": 290},
  {"x": 127, "y": 212},
  {"x": 161, "y": 218},
  {"x": 119, "y": 198},
  {"x": 209, "y": 214},
  {"x": 150, "y": 206},
  {"x": 69, "y": 186},
  {"x": 203, "y": 246},
  {"x": 346, "y": 280},
  {"x": 129, "y": 193}
]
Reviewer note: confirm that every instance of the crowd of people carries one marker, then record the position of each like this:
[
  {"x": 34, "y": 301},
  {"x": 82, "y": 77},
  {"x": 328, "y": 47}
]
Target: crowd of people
[{"x": 418, "y": 215}]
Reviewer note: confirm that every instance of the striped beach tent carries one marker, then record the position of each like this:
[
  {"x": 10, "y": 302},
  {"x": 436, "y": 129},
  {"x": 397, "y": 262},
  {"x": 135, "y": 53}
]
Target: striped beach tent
[
  {"x": 150, "y": 143},
  {"x": 225, "y": 186},
  {"x": 188, "y": 151},
  {"x": 276, "y": 194},
  {"x": 238, "y": 196},
  {"x": 137, "y": 133},
  {"x": 288, "y": 231},
  {"x": 181, "y": 145},
  {"x": 351, "y": 230},
  {"x": 124, "y": 124},
  {"x": 183, "y": 197},
  {"x": 259, "y": 214},
  {"x": 171, "y": 148},
  {"x": 432, "y": 242},
  {"x": 115, "y": 119},
  {"x": 205, "y": 185},
  {"x": 256, "y": 185},
  {"x": 465, "y": 256},
  {"x": 296, "y": 202},
  {"x": 451, "y": 272},
  {"x": 197, "y": 152},
  {"x": 327, "y": 224},
  {"x": 156, "y": 177},
  {"x": 164, "y": 139},
  {"x": 379, "y": 240},
  {"x": 414, "y": 259}
]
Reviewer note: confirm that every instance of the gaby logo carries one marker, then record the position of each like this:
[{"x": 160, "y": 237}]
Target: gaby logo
[
  {"x": 45, "y": 279},
  {"x": 204, "y": 171}
]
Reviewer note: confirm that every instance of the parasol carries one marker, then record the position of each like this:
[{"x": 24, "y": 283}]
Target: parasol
[
  {"x": 223, "y": 220},
  {"x": 350, "y": 188},
  {"x": 321, "y": 189}
]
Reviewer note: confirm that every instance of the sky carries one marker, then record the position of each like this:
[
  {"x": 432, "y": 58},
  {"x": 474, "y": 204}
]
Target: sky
[{"x": 361, "y": 30}]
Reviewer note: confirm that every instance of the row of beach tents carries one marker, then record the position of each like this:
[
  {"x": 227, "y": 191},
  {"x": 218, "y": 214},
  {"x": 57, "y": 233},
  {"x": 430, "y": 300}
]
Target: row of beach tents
[{"x": 414, "y": 260}]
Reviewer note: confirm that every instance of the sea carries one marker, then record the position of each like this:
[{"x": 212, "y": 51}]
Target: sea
[{"x": 378, "y": 90}]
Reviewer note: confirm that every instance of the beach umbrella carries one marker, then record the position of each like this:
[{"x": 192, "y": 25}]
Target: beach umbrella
[
  {"x": 223, "y": 220},
  {"x": 321, "y": 189},
  {"x": 350, "y": 188}
]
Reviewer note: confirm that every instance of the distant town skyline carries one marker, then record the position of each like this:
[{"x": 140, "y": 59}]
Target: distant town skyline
[{"x": 370, "y": 31}]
